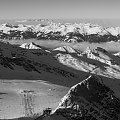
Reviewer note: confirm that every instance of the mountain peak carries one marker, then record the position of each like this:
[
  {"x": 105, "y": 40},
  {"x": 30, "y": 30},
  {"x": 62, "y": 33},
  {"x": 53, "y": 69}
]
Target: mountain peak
[
  {"x": 89, "y": 99},
  {"x": 31, "y": 45},
  {"x": 67, "y": 49}
]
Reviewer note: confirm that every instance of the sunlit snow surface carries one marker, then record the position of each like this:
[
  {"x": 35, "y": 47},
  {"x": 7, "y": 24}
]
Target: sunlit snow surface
[{"x": 26, "y": 97}]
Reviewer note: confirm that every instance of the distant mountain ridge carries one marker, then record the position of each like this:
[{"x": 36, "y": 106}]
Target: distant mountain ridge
[{"x": 63, "y": 32}]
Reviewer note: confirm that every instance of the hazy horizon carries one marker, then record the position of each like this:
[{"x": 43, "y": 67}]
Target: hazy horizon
[
  {"x": 102, "y": 12},
  {"x": 102, "y": 22}
]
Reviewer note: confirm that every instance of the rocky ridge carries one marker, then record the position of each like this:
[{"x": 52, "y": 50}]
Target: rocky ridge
[{"x": 90, "y": 99}]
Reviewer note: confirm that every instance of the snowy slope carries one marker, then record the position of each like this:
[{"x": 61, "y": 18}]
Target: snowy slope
[{"x": 30, "y": 46}]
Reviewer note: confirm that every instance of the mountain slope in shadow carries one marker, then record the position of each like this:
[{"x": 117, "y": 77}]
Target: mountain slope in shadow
[{"x": 56, "y": 66}]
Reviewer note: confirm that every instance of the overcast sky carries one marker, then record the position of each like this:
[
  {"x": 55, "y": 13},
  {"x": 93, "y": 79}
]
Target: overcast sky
[{"x": 12, "y": 9}]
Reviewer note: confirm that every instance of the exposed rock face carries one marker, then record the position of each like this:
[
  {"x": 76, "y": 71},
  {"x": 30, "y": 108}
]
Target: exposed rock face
[
  {"x": 97, "y": 61},
  {"x": 99, "y": 54},
  {"x": 90, "y": 99},
  {"x": 102, "y": 55}
]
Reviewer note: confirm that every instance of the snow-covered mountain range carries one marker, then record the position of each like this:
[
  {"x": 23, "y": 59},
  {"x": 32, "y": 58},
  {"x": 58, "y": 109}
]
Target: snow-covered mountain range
[{"x": 58, "y": 31}]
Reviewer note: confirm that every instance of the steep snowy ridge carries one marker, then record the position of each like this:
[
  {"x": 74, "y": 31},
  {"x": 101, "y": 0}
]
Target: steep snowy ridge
[
  {"x": 66, "y": 49},
  {"x": 65, "y": 32},
  {"x": 101, "y": 55},
  {"x": 97, "y": 61},
  {"x": 98, "y": 54},
  {"x": 90, "y": 99},
  {"x": 30, "y": 46},
  {"x": 33, "y": 46}
]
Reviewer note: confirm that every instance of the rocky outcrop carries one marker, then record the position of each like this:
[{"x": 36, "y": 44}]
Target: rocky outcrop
[
  {"x": 90, "y": 99},
  {"x": 97, "y": 61}
]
